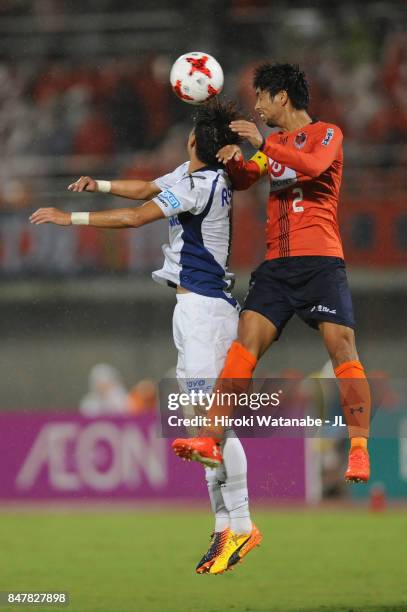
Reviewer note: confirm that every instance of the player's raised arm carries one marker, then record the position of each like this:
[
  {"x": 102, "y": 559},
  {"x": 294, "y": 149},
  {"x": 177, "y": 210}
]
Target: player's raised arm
[
  {"x": 312, "y": 163},
  {"x": 119, "y": 218},
  {"x": 242, "y": 173},
  {"x": 133, "y": 189}
]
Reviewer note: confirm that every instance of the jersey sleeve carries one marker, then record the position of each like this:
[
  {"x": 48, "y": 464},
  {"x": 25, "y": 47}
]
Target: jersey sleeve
[
  {"x": 244, "y": 173},
  {"x": 325, "y": 146},
  {"x": 168, "y": 180},
  {"x": 184, "y": 196}
]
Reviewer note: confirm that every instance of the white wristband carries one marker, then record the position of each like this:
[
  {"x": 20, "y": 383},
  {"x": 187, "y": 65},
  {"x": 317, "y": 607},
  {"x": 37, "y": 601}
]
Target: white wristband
[
  {"x": 104, "y": 186},
  {"x": 80, "y": 218}
]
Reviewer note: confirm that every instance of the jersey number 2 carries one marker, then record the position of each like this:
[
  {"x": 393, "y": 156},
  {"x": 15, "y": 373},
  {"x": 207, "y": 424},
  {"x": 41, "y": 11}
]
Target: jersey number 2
[{"x": 297, "y": 200}]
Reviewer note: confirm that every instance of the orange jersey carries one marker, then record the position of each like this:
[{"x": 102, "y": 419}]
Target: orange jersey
[{"x": 305, "y": 171}]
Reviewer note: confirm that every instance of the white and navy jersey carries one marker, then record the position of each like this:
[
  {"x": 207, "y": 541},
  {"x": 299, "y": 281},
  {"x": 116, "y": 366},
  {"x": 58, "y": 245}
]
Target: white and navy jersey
[{"x": 198, "y": 207}]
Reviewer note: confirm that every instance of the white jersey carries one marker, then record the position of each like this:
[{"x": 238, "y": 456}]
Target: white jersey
[{"x": 198, "y": 206}]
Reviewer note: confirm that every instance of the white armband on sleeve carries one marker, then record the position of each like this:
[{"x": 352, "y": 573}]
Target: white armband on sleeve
[
  {"x": 104, "y": 186},
  {"x": 80, "y": 218}
]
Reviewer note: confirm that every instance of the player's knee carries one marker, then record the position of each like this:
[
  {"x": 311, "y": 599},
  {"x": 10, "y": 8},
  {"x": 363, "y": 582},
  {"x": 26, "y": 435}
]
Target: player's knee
[
  {"x": 254, "y": 333},
  {"x": 341, "y": 346}
]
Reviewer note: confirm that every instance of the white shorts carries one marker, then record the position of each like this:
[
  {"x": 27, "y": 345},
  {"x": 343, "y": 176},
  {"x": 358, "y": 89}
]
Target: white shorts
[{"x": 203, "y": 328}]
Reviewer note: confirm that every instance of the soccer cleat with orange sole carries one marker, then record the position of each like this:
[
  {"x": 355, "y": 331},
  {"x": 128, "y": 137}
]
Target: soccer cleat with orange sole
[
  {"x": 254, "y": 540},
  {"x": 235, "y": 549},
  {"x": 358, "y": 465},
  {"x": 204, "y": 450},
  {"x": 218, "y": 541}
]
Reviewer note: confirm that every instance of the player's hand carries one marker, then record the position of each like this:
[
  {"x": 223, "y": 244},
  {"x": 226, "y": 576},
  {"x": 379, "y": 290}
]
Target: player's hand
[
  {"x": 84, "y": 183},
  {"x": 248, "y": 130},
  {"x": 229, "y": 152},
  {"x": 50, "y": 215}
]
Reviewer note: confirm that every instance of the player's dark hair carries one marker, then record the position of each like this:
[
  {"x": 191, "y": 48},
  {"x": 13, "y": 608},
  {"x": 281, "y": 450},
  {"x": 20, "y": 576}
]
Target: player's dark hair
[
  {"x": 283, "y": 77},
  {"x": 211, "y": 129}
]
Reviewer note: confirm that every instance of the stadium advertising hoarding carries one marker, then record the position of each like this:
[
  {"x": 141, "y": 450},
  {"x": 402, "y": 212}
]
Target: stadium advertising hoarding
[{"x": 64, "y": 456}]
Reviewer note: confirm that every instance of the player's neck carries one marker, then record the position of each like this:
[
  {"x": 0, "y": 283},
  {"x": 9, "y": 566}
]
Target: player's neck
[
  {"x": 295, "y": 120},
  {"x": 195, "y": 164}
]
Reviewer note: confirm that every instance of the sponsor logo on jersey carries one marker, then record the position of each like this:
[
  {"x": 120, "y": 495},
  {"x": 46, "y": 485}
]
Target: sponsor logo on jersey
[
  {"x": 275, "y": 168},
  {"x": 328, "y": 137},
  {"x": 281, "y": 177},
  {"x": 167, "y": 197},
  {"x": 300, "y": 140}
]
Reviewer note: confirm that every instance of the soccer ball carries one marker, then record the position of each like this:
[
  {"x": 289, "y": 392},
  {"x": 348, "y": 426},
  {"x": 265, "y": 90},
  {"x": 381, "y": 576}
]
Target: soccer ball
[{"x": 196, "y": 77}]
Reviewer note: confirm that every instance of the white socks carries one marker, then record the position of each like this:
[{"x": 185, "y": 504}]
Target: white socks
[
  {"x": 214, "y": 479},
  {"x": 227, "y": 487},
  {"x": 234, "y": 489}
]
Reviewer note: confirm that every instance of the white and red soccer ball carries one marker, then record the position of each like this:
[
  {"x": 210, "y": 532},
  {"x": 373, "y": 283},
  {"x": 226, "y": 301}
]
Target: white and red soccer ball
[{"x": 196, "y": 77}]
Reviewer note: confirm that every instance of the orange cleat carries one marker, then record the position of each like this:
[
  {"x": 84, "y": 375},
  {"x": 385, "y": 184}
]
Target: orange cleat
[
  {"x": 254, "y": 540},
  {"x": 358, "y": 465},
  {"x": 204, "y": 450}
]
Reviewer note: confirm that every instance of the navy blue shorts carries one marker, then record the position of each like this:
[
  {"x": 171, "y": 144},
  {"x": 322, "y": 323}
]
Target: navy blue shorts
[{"x": 313, "y": 287}]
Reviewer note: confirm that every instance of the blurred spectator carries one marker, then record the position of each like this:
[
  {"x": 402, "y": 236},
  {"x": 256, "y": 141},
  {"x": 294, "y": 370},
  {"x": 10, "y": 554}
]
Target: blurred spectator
[
  {"x": 143, "y": 397},
  {"x": 107, "y": 393},
  {"x": 94, "y": 136}
]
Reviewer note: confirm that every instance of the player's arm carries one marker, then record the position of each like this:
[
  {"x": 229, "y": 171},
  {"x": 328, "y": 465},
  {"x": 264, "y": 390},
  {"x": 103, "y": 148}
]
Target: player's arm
[
  {"x": 312, "y": 163},
  {"x": 118, "y": 218},
  {"x": 242, "y": 173},
  {"x": 133, "y": 189}
]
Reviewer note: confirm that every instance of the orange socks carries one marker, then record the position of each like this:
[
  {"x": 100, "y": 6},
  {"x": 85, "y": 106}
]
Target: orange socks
[
  {"x": 355, "y": 400},
  {"x": 239, "y": 364},
  {"x": 358, "y": 442}
]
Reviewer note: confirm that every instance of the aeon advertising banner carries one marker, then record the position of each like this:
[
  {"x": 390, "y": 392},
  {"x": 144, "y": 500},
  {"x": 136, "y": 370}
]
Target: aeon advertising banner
[{"x": 55, "y": 455}]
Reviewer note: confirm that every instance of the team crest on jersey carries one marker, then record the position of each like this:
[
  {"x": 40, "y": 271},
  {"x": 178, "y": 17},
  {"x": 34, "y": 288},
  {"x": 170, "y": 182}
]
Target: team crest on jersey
[
  {"x": 300, "y": 140},
  {"x": 328, "y": 137}
]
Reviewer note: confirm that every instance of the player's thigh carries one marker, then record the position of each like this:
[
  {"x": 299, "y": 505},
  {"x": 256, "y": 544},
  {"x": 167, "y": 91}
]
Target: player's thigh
[
  {"x": 321, "y": 293},
  {"x": 210, "y": 328},
  {"x": 178, "y": 332},
  {"x": 266, "y": 309}
]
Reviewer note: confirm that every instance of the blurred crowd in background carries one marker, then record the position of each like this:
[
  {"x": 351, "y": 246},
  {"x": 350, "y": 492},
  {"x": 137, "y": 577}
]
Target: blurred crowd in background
[
  {"x": 84, "y": 90},
  {"x": 108, "y": 395}
]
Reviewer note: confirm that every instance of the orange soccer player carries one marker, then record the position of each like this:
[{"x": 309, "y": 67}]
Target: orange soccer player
[{"x": 304, "y": 272}]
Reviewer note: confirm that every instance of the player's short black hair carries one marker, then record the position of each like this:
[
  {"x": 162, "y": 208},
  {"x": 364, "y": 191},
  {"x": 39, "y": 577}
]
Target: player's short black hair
[
  {"x": 211, "y": 129},
  {"x": 283, "y": 77}
]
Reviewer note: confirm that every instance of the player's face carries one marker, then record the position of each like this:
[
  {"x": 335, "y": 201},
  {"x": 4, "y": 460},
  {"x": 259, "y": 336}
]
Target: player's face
[{"x": 270, "y": 108}]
